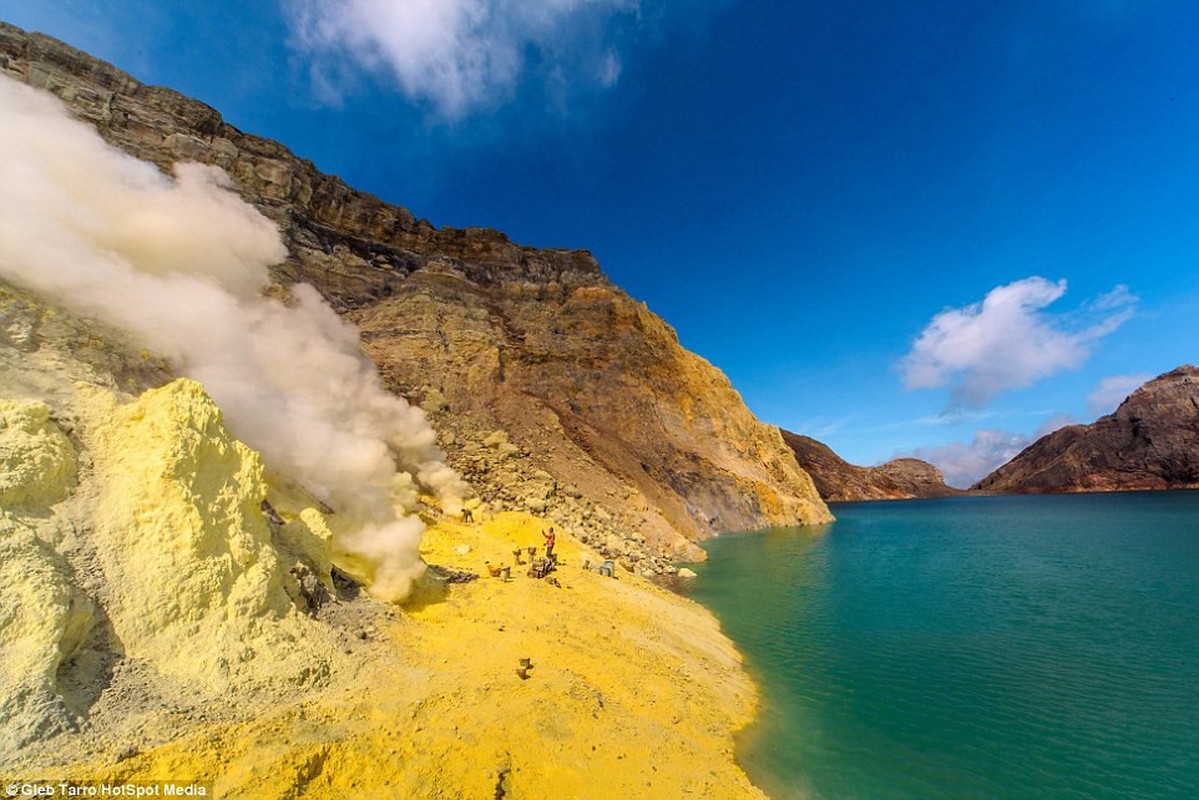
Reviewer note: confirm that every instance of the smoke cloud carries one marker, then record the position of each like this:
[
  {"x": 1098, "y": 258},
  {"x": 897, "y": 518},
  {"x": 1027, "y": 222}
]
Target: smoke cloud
[
  {"x": 459, "y": 54},
  {"x": 1008, "y": 341},
  {"x": 180, "y": 264}
]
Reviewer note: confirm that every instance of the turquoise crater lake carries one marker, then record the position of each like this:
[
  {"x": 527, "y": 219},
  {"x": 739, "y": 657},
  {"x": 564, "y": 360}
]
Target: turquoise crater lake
[{"x": 989, "y": 647}]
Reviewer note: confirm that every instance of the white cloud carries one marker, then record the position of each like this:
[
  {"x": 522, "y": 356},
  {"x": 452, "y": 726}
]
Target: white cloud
[
  {"x": 1054, "y": 423},
  {"x": 609, "y": 69},
  {"x": 819, "y": 428},
  {"x": 1112, "y": 390},
  {"x": 1008, "y": 340},
  {"x": 964, "y": 464},
  {"x": 458, "y": 55}
]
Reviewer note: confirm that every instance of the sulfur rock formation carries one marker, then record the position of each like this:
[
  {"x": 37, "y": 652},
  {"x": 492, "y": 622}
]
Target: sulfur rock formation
[
  {"x": 1151, "y": 441},
  {"x": 133, "y": 551},
  {"x": 555, "y": 392},
  {"x": 156, "y": 621},
  {"x": 50, "y": 618},
  {"x": 839, "y": 481},
  {"x": 179, "y": 502}
]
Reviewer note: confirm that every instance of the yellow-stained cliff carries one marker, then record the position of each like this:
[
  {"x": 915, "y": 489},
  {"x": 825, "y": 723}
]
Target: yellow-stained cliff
[
  {"x": 608, "y": 424},
  {"x": 154, "y": 626}
]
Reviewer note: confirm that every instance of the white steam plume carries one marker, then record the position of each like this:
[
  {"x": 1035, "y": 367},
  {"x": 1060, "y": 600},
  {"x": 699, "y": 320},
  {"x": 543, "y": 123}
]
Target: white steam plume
[{"x": 181, "y": 264}]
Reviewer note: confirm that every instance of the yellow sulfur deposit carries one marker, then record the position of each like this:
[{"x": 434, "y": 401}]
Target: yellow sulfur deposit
[
  {"x": 43, "y": 619},
  {"x": 180, "y": 593},
  {"x": 183, "y": 541},
  {"x": 42, "y": 616},
  {"x": 37, "y": 462}
]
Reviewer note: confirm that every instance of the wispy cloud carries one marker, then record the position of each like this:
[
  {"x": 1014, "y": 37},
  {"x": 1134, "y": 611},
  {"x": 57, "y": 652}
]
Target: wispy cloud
[
  {"x": 965, "y": 463},
  {"x": 1112, "y": 390},
  {"x": 1009, "y": 341},
  {"x": 819, "y": 427},
  {"x": 460, "y": 55}
]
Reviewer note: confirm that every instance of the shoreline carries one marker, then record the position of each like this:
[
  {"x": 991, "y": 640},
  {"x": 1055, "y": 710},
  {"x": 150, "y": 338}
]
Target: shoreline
[{"x": 972, "y": 495}]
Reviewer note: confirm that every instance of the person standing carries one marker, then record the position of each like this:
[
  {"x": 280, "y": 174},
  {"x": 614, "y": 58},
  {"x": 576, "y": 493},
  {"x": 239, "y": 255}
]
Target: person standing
[{"x": 550, "y": 540}]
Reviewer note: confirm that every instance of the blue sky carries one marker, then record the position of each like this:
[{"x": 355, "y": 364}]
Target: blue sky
[{"x": 819, "y": 196}]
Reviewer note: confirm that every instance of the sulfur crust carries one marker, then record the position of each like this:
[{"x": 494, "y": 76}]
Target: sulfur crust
[
  {"x": 183, "y": 542},
  {"x": 634, "y": 692}
]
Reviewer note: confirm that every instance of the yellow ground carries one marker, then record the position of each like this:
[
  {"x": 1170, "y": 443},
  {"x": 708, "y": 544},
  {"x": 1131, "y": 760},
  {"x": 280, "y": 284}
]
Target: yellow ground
[{"x": 634, "y": 692}]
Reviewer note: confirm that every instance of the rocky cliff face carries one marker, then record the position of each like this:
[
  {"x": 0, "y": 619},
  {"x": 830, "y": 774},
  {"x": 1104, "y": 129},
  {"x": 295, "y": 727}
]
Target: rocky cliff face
[
  {"x": 839, "y": 481},
  {"x": 1150, "y": 442},
  {"x": 554, "y": 391}
]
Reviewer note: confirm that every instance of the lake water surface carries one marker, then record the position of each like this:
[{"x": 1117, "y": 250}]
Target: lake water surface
[{"x": 991, "y": 647}]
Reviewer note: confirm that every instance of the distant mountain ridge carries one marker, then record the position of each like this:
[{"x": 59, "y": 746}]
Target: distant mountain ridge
[
  {"x": 839, "y": 481},
  {"x": 1151, "y": 441}
]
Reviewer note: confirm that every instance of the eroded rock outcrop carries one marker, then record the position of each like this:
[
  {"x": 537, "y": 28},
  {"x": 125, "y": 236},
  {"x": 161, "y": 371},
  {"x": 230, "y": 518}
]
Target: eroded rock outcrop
[
  {"x": 44, "y": 618},
  {"x": 131, "y": 537},
  {"x": 916, "y": 478},
  {"x": 839, "y": 481},
  {"x": 614, "y": 430},
  {"x": 1151, "y": 441}
]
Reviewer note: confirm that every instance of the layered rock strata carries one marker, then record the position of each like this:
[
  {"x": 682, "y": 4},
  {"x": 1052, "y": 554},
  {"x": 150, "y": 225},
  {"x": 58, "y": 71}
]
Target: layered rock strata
[
  {"x": 555, "y": 392},
  {"x": 839, "y": 481},
  {"x": 1151, "y": 441}
]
